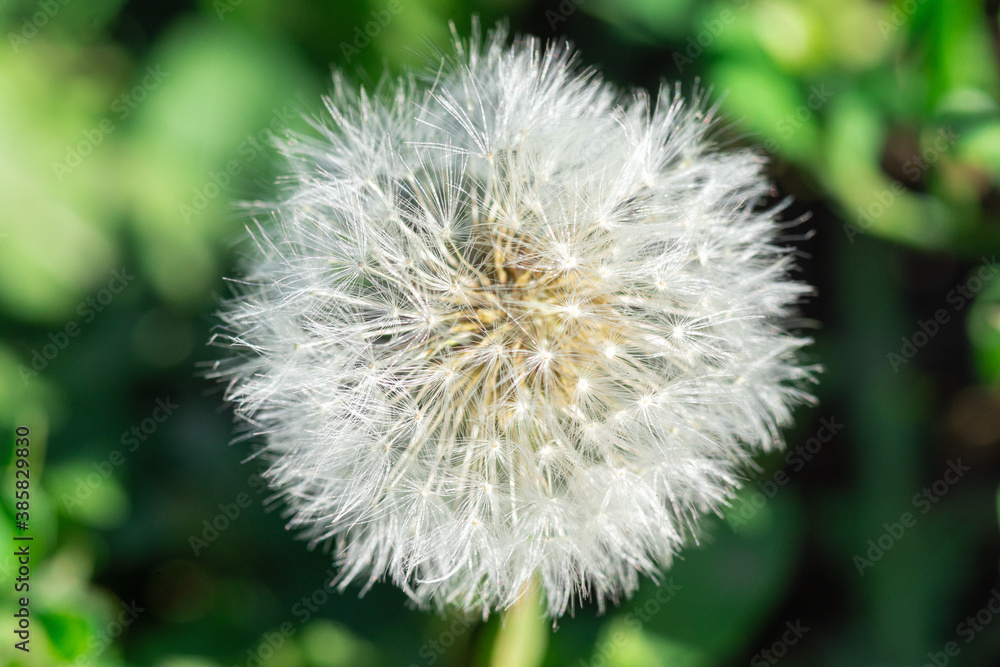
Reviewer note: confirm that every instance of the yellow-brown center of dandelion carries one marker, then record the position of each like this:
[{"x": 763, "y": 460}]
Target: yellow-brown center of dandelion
[{"x": 520, "y": 337}]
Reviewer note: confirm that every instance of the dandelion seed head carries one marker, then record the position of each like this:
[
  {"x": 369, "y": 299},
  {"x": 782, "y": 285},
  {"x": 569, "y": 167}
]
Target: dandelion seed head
[{"x": 507, "y": 324}]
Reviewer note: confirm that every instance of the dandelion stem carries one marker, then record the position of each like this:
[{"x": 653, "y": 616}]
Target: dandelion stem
[{"x": 523, "y": 635}]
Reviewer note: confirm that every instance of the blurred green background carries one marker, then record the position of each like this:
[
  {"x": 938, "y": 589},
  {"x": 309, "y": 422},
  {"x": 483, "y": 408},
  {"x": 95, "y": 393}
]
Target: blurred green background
[{"x": 129, "y": 131}]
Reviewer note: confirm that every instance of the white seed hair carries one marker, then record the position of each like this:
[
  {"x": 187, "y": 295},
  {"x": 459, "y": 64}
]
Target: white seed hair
[{"x": 508, "y": 327}]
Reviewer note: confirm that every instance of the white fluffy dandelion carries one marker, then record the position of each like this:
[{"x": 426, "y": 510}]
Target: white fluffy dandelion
[{"x": 508, "y": 326}]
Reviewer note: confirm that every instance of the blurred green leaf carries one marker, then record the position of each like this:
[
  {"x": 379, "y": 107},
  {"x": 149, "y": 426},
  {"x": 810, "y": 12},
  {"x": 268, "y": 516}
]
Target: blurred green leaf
[
  {"x": 792, "y": 33},
  {"x": 90, "y": 493},
  {"x": 770, "y": 104},
  {"x": 55, "y": 220},
  {"x": 746, "y": 573},
  {"x": 624, "y": 645},
  {"x": 70, "y": 633},
  {"x": 980, "y": 146},
  {"x": 202, "y": 141},
  {"x": 328, "y": 644}
]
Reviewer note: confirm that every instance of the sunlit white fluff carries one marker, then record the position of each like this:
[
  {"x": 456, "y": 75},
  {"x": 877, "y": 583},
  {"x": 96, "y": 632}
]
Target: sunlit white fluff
[{"x": 511, "y": 328}]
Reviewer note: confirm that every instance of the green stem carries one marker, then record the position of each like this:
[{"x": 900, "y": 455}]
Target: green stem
[{"x": 523, "y": 635}]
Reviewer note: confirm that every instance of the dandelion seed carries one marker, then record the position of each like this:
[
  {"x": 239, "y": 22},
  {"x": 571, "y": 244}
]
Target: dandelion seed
[{"x": 506, "y": 325}]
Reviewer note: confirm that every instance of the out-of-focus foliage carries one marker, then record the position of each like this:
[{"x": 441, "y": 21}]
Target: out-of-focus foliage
[{"x": 128, "y": 131}]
